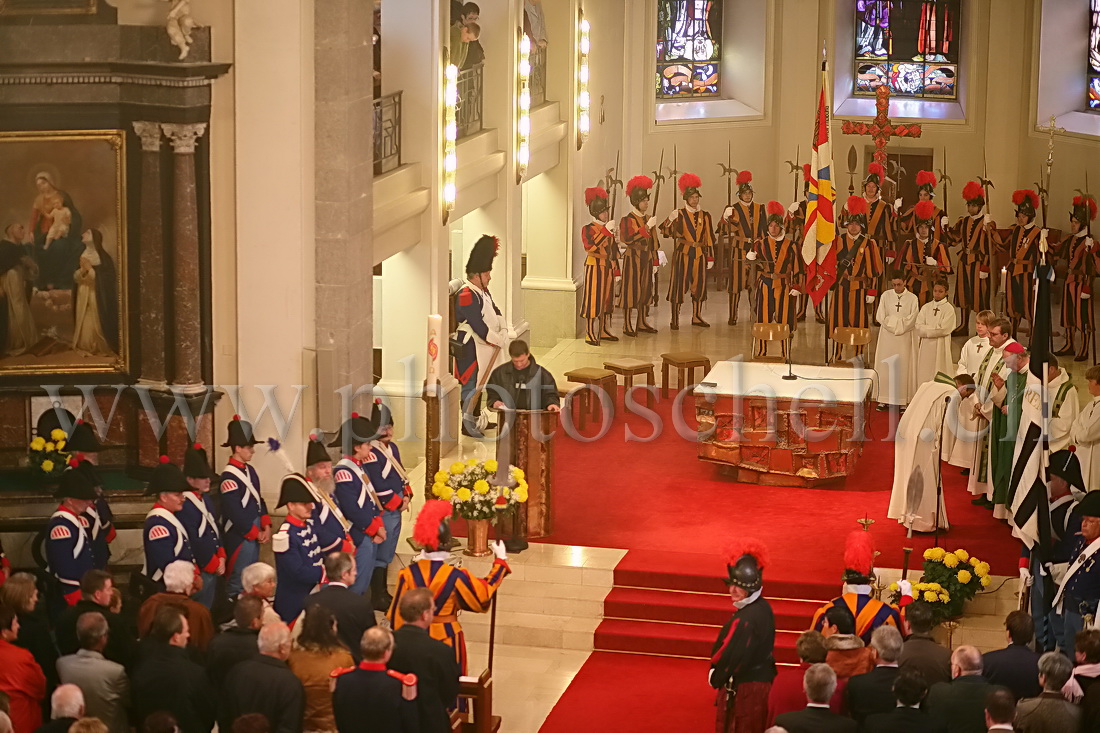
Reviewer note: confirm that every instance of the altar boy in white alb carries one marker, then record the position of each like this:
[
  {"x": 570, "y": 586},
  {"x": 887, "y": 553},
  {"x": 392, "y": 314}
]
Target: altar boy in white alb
[
  {"x": 897, "y": 344},
  {"x": 965, "y": 426},
  {"x": 1064, "y": 405},
  {"x": 1085, "y": 432},
  {"x": 935, "y": 322}
]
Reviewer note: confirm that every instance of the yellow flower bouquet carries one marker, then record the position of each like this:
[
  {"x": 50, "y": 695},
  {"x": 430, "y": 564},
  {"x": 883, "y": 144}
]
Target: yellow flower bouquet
[
  {"x": 47, "y": 455},
  {"x": 958, "y": 573},
  {"x": 468, "y": 486}
]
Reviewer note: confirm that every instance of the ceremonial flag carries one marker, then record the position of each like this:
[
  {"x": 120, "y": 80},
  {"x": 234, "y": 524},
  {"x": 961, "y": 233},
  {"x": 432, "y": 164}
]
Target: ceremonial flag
[{"x": 817, "y": 244}]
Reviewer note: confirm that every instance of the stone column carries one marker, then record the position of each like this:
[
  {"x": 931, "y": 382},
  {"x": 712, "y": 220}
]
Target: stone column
[
  {"x": 151, "y": 265},
  {"x": 187, "y": 371}
]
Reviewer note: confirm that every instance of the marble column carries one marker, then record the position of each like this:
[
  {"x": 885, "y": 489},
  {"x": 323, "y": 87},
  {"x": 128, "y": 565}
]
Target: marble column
[
  {"x": 151, "y": 261},
  {"x": 187, "y": 349}
]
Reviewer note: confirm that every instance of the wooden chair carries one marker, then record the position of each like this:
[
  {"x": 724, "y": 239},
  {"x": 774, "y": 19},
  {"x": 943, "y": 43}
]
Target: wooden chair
[
  {"x": 765, "y": 333},
  {"x": 630, "y": 368},
  {"x": 857, "y": 338},
  {"x": 686, "y": 362},
  {"x": 591, "y": 379}
]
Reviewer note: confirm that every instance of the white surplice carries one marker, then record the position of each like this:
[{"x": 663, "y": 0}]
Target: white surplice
[
  {"x": 917, "y": 451},
  {"x": 897, "y": 341},
  {"x": 935, "y": 322},
  {"x": 1064, "y": 407},
  {"x": 960, "y": 442},
  {"x": 1085, "y": 434}
]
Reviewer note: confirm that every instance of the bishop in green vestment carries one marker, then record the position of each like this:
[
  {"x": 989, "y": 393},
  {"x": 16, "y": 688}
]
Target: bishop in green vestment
[{"x": 1009, "y": 401}]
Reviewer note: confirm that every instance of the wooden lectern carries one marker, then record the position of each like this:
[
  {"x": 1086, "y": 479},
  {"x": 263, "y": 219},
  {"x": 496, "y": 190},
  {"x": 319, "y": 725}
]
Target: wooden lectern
[{"x": 527, "y": 442}]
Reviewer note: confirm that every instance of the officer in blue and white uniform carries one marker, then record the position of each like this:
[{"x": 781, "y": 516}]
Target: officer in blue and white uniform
[
  {"x": 163, "y": 535},
  {"x": 298, "y": 560},
  {"x": 85, "y": 448},
  {"x": 246, "y": 523},
  {"x": 198, "y": 518},
  {"x": 356, "y": 496},
  {"x": 328, "y": 521},
  {"x": 68, "y": 543},
  {"x": 1079, "y": 592},
  {"x": 390, "y": 481}
]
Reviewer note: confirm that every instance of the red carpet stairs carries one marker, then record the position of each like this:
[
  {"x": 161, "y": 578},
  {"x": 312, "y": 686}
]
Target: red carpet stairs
[{"x": 674, "y": 604}]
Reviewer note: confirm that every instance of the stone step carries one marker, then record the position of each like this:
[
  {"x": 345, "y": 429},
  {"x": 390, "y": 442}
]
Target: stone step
[{"x": 532, "y": 629}]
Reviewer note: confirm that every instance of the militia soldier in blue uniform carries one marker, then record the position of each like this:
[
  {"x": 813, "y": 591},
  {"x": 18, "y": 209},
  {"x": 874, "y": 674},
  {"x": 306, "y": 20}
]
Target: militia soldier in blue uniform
[
  {"x": 198, "y": 518},
  {"x": 68, "y": 544},
  {"x": 298, "y": 560},
  {"x": 163, "y": 536},
  {"x": 369, "y": 698},
  {"x": 1041, "y": 563},
  {"x": 328, "y": 521},
  {"x": 1079, "y": 593},
  {"x": 247, "y": 524},
  {"x": 85, "y": 447},
  {"x": 481, "y": 328},
  {"x": 356, "y": 496},
  {"x": 390, "y": 481}
]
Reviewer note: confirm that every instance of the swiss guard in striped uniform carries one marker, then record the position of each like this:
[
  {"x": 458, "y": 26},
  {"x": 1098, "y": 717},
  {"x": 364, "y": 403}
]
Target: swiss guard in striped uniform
[
  {"x": 297, "y": 552},
  {"x": 247, "y": 524},
  {"x": 973, "y": 234},
  {"x": 796, "y": 230},
  {"x": 925, "y": 255},
  {"x": 356, "y": 496},
  {"x": 638, "y": 235},
  {"x": 68, "y": 544},
  {"x": 926, "y": 191},
  {"x": 781, "y": 260},
  {"x": 870, "y": 613},
  {"x": 598, "y": 238},
  {"x": 880, "y": 220},
  {"x": 1021, "y": 247},
  {"x": 745, "y": 225},
  {"x": 454, "y": 588},
  {"x": 692, "y": 232},
  {"x": 1081, "y": 252},
  {"x": 481, "y": 328},
  {"x": 198, "y": 518},
  {"x": 163, "y": 536},
  {"x": 859, "y": 267},
  {"x": 85, "y": 447}
]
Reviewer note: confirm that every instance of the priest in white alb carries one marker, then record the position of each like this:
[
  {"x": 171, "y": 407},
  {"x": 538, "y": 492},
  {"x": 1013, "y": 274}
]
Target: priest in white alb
[
  {"x": 897, "y": 342},
  {"x": 960, "y": 451},
  {"x": 935, "y": 322},
  {"x": 1064, "y": 405},
  {"x": 916, "y": 500},
  {"x": 1085, "y": 432}
]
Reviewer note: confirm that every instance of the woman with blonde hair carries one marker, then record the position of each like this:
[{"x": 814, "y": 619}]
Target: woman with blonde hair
[{"x": 316, "y": 654}]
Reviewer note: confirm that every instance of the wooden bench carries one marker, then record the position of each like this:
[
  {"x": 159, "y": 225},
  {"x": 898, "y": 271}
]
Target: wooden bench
[
  {"x": 630, "y": 368},
  {"x": 686, "y": 362},
  {"x": 591, "y": 379}
]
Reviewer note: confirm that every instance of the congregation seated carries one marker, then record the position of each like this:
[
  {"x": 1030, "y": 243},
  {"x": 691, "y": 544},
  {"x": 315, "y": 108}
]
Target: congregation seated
[
  {"x": 819, "y": 683},
  {"x": 97, "y": 591},
  {"x": 845, "y": 651},
  {"x": 66, "y": 707},
  {"x": 238, "y": 642},
  {"x": 921, "y": 652},
  {"x": 873, "y": 692},
  {"x": 909, "y": 690},
  {"x": 1050, "y": 712},
  {"x": 960, "y": 704},
  {"x": 1017, "y": 665},
  {"x": 265, "y": 684},
  {"x": 179, "y": 583},
  {"x": 786, "y": 694}
]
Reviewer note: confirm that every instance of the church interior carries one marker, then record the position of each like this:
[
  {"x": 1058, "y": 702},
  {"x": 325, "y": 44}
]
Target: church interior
[{"x": 281, "y": 216}]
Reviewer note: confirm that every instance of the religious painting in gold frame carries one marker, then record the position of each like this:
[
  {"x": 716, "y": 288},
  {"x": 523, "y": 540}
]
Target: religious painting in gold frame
[
  {"x": 63, "y": 253},
  {"x": 49, "y": 7}
]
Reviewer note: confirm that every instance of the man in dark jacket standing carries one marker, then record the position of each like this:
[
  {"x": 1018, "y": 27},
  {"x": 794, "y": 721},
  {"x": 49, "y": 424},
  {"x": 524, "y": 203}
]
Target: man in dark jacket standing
[
  {"x": 873, "y": 692},
  {"x": 353, "y": 612},
  {"x": 237, "y": 643},
  {"x": 742, "y": 665},
  {"x": 1016, "y": 666},
  {"x": 521, "y": 384},
  {"x": 95, "y": 592},
  {"x": 960, "y": 703},
  {"x": 371, "y": 699},
  {"x": 166, "y": 679},
  {"x": 265, "y": 684},
  {"x": 820, "y": 684},
  {"x": 432, "y": 661}
]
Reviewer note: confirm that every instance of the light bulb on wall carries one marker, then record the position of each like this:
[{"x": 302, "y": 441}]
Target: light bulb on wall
[
  {"x": 584, "y": 99},
  {"x": 450, "y": 139},
  {"x": 523, "y": 104}
]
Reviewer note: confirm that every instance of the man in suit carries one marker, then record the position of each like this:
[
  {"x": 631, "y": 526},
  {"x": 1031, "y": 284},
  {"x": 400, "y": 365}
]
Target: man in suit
[
  {"x": 1049, "y": 712},
  {"x": 66, "y": 707},
  {"x": 1016, "y": 666},
  {"x": 265, "y": 684},
  {"x": 960, "y": 703},
  {"x": 236, "y": 643},
  {"x": 909, "y": 689},
  {"x": 95, "y": 591},
  {"x": 104, "y": 683},
  {"x": 432, "y": 661},
  {"x": 353, "y": 611},
  {"x": 1000, "y": 710},
  {"x": 873, "y": 692},
  {"x": 816, "y": 717},
  {"x": 167, "y": 680},
  {"x": 372, "y": 699},
  {"x": 920, "y": 651}
]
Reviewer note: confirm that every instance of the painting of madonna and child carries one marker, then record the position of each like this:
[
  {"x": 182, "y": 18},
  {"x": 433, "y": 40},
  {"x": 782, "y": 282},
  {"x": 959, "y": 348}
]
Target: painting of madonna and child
[{"x": 62, "y": 253}]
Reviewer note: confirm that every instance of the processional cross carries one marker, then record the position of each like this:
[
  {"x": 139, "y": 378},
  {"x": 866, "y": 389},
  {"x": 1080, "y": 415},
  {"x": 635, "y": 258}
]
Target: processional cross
[{"x": 881, "y": 129}]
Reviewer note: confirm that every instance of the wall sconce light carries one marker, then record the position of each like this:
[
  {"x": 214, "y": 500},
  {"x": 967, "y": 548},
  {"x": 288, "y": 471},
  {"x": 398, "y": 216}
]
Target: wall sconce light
[
  {"x": 450, "y": 138},
  {"x": 523, "y": 113},
  {"x": 584, "y": 101}
]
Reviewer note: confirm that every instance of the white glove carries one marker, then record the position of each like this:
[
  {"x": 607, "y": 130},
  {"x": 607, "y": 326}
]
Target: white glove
[
  {"x": 710, "y": 264},
  {"x": 983, "y": 275},
  {"x": 1084, "y": 296},
  {"x": 655, "y": 269},
  {"x": 750, "y": 256},
  {"x": 870, "y": 299},
  {"x": 897, "y": 204},
  {"x": 792, "y": 208},
  {"x": 986, "y": 218},
  {"x": 1025, "y": 578},
  {"x": 512, "y": 335},
  {"x": 1089, "y": 242},
  {"x": 906, "y": 588},
  {"x": 618, "y": 279},
  {"x": 944, "y": 222},
  {"x": 498, "y": 550},
  {"x": 652, "y": 221},
  {"x": 931, "y": 261},
  {"x": 675, "y": 213},
  {"x": 662, "y": 258},
  {"x": 795, "y": 292},
  {"x": 610, "y": 226},
  {"x": 728, "y": 212}
]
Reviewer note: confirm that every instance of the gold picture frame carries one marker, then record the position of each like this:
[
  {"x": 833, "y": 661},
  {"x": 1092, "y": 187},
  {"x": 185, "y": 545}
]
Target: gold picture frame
[{"x": 63, "y": 253}]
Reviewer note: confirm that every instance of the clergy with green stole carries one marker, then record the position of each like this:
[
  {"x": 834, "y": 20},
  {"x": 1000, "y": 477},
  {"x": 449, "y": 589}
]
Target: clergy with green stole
[
  {"x": 1008, "y": 396},
  {"x": 980, "y": 482}
]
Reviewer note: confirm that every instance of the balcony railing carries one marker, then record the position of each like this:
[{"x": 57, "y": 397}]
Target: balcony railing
[
  {"x": 538, "y": 76},
  {"x": 468, "y": 111},
  {"x": 387, "y": 133}
]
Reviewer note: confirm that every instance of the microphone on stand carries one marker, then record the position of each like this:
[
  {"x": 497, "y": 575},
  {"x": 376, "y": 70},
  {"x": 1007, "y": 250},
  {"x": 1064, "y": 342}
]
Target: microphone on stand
[{"x": 789, "y": 376}]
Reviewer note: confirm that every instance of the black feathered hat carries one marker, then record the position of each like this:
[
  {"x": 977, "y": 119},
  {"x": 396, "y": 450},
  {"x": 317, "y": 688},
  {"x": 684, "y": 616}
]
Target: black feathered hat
[
  {"x": 1090, "y": 505},
  {"x": 240, "y": 433},
  {"x": 315, "y": 451},
  {"x": 481, "y": 256},
  {"x": 82, "y": 439},
  {"x": 76, "y": 484},
  {"x": 381, "y": 415},
  {"x": 1065, "y": 465},
  {"x": 166, "y": 478},
  {"x": 356, "y": 430},
  {"x": 295, "y": 488},
  {"x": 196, "y": 464}
]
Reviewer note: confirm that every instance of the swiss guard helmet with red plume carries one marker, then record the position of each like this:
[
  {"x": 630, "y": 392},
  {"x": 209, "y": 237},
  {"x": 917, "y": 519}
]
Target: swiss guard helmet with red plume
[
  {"x": 744, "y": 181},
  {"x": 775, "y": 212},
  {"x": 637, "y": 189},
  {"x": 432, "y": 529},
  {"x": 973, "y": 194},
  {"x": 926, "y": 181},
  {"x": 1084, "y": 209},
  {"x": 859, "y": 557},
  {"x": 689, "y": 184},
  {"x": 745, "y": 563},
  {"x": 1026, "y": 201},
  {"x": 874, "y": 174},
  {"x": 924, "y": 211},
  {"x": 595, "y": 198},
  {"x": 856, "y": 207}
]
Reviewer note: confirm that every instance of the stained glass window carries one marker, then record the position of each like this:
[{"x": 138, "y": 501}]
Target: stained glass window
[
  {"x": 1094, "y": 54},
  {"x": 689, "y": 46},
  {"x": 911, "y": 45}
]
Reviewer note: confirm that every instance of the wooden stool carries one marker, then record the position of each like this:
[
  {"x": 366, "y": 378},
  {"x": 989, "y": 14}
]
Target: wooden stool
[
  {"x": 629, "y": 368},
  {"x": 850, "y": 336},
  {"x": 591, "y": 379},
  {"x": 685, "y": 362},
  {"x": 763, "y": 333},
  {"x": 566, "y": 390}
]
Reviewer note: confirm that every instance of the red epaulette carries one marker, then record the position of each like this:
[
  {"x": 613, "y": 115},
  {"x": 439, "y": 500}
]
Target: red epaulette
[
  {"x": 465, "y": 297},
  {"x": 405, "y": 679},
  {"x": 341, "y": 670}
]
